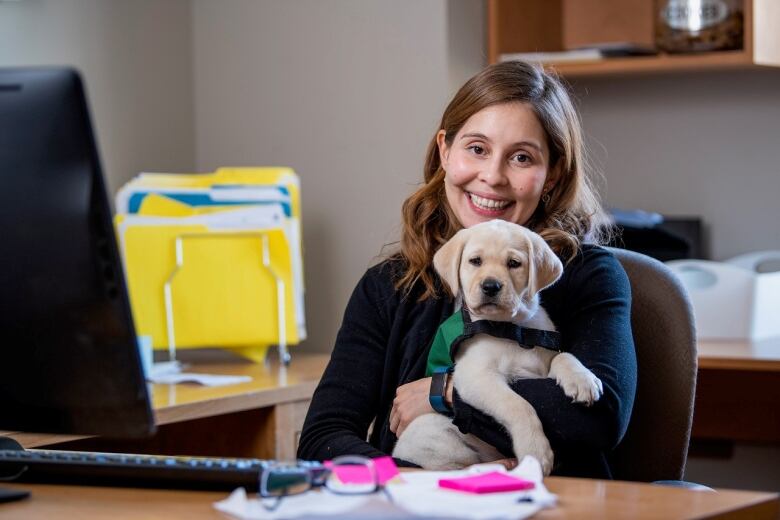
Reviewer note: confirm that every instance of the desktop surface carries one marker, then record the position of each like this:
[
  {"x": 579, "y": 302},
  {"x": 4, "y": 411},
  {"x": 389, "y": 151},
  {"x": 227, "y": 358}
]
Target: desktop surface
[
  {"x": 272, "y": 385},
  {"x": 744, "y": 354},
  {"x": 578, "y": 498},
  {"x": 259, "y": 419}
]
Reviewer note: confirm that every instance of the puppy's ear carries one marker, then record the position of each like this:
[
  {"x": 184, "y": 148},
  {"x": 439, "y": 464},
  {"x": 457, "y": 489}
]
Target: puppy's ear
[
  {"x": 446, "y": 261},
  {"x": 544, "y": 267}
]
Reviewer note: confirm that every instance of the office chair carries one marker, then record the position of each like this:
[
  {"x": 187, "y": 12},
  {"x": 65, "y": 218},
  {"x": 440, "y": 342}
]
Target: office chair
[{"x": 655, "y": 446}]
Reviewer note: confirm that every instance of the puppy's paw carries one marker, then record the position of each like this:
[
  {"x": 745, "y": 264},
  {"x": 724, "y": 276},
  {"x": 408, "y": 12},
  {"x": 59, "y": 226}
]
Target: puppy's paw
[
  {"x": 545, "y": 458},
  {"x": 582, "y": 386},
  {"x": 535, "y": 444}
]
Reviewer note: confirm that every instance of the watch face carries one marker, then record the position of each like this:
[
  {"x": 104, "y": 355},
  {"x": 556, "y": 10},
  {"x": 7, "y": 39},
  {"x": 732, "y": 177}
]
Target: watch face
[
  {"x": 438, "y": 383},
  {"x": 438, "y": 387}
]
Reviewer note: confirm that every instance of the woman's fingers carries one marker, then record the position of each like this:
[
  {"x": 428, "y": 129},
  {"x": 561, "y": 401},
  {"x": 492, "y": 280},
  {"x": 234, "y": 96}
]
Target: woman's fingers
[
  {"x": 508, "y": 463},
  {"x": 394, "y": 418},
  {"x": 411, "y": 401}
]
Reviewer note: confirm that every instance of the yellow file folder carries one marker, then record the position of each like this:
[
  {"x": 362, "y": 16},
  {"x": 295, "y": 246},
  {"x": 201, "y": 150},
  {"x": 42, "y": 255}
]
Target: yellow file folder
[{"x": 213, "y": 275}]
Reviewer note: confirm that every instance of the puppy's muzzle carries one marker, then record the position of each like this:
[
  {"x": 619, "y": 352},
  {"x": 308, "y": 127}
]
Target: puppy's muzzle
[{"x": 491, "y": 287}]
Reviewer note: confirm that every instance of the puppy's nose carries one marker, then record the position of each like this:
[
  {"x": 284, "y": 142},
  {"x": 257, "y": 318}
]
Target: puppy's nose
[{"x": 491, "y": 286}]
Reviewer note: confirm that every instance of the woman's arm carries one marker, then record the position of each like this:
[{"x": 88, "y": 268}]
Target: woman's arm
[
  {"x": 598, "y": 332},
  {"x": 346, "y": 400}
]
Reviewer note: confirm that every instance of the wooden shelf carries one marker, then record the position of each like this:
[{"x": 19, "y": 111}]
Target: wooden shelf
[
  {"x": 657, "y": 64},
  {"x": 520, "y": 26}
]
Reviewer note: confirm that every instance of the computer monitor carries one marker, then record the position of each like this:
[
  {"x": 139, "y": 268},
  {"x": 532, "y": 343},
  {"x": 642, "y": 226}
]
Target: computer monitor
[{"x": 69, "y": 361}]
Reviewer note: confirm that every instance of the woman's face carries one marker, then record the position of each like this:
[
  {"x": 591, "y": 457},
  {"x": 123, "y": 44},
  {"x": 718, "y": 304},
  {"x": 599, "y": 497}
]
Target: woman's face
[{"x": 497, "y": 165}]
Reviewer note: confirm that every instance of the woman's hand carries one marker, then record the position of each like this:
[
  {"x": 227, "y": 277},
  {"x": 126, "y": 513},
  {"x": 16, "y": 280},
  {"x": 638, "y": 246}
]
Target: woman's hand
[
  {"x": 509, "y": 464},
  {"x": 411, "y": 401}
]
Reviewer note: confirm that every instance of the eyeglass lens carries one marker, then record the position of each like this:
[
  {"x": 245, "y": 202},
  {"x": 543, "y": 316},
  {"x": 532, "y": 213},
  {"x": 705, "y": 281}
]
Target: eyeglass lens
[
  {"x": 284, "y": 480},
  {"x": 352, "y": 475},
  {"x": 348, "y": 475}
]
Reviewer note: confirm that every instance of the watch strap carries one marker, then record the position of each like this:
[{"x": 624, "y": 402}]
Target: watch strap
[{"x": 439, "y": 389}]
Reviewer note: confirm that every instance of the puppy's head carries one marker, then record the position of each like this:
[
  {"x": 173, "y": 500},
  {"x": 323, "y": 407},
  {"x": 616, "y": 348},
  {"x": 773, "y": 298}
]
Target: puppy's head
[{"x": 499, "y": 268}]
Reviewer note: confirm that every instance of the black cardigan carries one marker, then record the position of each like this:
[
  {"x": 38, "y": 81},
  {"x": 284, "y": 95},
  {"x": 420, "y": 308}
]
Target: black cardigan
[{"x": 384, "y": 342}]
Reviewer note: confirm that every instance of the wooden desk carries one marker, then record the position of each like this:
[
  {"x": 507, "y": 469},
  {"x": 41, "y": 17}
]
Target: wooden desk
[
  {"x": 578, "y": 498},
  {"x": 738, "y": 391},
  {"x": 261, "y": 418}
]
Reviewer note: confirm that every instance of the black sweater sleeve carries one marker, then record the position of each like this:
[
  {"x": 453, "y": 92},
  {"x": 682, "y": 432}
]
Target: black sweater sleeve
[
  {"x": 592, "y": 312},
  {"x": 347, "y": 398}
]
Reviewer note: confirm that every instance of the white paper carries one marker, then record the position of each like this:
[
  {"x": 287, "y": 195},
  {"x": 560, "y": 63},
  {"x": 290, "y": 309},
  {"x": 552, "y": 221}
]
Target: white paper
[
  {"x": 422, "y": 496},
  {"x": 164, "y": 368},
  {"x": 417, "y": 496},
  {"x": 202, "y": 379},
  {"x": 239, "y": 505},
  {"x": 578, "y": 55},
  {"x": 216, "y": 193}
]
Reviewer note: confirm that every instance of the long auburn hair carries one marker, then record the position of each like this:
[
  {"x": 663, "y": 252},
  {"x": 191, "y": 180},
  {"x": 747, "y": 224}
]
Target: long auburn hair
[{"x": 573, "y": 213}]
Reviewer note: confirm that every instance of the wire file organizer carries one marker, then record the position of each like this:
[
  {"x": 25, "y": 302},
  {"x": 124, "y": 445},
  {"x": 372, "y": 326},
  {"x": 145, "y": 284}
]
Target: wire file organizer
[{"x": 284, "y": 354}]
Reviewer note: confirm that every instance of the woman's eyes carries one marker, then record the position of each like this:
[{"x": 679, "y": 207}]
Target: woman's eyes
[
  {"x": 521, "y": 158},
  {"x": 518, "y": 158}
]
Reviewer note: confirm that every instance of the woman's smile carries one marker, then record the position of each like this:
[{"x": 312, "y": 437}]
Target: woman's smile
[{"x": 489, "y": 206}]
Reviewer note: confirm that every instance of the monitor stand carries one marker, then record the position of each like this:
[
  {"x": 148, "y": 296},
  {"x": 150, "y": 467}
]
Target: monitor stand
[{"x": 10, "y": 495}]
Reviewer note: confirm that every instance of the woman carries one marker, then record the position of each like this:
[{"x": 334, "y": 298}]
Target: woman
[{"x": 509, "y": 147}]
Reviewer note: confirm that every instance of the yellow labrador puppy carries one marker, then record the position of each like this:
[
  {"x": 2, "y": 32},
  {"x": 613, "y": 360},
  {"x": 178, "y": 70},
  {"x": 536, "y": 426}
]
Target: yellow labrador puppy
[{"x": 496, "y": 269}]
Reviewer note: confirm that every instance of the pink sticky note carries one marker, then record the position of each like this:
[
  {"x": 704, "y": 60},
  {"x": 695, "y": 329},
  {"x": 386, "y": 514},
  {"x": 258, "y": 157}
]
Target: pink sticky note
[
  {"x": 356, "y": 474},
  {"x": 492, "y": 482}
]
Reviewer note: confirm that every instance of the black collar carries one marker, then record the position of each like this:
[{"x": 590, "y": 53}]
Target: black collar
[{"x": 525, "y": 337}]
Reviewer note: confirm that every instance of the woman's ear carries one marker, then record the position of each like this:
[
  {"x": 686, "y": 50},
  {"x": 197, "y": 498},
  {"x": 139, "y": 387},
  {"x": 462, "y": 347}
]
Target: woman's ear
[
  {"x": 444, "y": 150},
  {"x": 446, "y": 261},
  {"x": 553, "y": 176}
]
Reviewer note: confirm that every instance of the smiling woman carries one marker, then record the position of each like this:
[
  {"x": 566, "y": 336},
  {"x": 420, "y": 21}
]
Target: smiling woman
[{"x": 509, "y": 147}]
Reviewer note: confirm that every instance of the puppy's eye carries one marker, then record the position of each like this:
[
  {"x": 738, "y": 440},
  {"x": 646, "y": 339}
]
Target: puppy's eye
[
  {"x": 513, "y": 264},
  {"x": 476, "y": 261}
]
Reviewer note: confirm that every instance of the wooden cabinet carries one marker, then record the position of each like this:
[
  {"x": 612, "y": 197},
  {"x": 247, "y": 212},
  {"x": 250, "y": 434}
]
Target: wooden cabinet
[
  {"x": 520, "y": 26},
  {"x": 261, "y": 418}
]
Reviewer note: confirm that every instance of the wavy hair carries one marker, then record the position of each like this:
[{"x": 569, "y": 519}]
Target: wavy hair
[{"x": 572, "y": 215}]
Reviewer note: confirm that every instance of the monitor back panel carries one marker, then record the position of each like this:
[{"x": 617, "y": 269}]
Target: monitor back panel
[{"x": 68, "y": 356}]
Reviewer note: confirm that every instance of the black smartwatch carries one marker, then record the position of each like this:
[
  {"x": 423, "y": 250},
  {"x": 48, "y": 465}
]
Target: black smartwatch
[{"x": 439, "y": 389}]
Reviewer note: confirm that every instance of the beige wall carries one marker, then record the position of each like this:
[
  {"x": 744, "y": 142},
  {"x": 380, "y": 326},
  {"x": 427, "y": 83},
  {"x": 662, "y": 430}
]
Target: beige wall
[
  {"x": 704, "y": 144},
  {"x": 347, "y": 92},
  {"x": 135, "y": 57}
]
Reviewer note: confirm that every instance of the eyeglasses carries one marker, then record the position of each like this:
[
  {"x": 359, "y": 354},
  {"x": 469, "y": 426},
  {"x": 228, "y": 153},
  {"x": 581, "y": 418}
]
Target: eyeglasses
[{"x": 346, "y": 475}]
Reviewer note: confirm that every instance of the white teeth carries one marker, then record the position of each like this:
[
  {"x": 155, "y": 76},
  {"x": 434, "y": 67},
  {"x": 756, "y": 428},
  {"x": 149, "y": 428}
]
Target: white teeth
[{"x": 488, "y": 204}]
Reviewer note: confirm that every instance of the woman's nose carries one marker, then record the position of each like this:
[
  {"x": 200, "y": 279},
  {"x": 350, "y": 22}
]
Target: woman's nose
[{"x": 493, "y": 173}]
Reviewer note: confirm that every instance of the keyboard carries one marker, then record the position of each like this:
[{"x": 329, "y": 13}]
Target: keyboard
[{"x": 131, "y": 470}]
